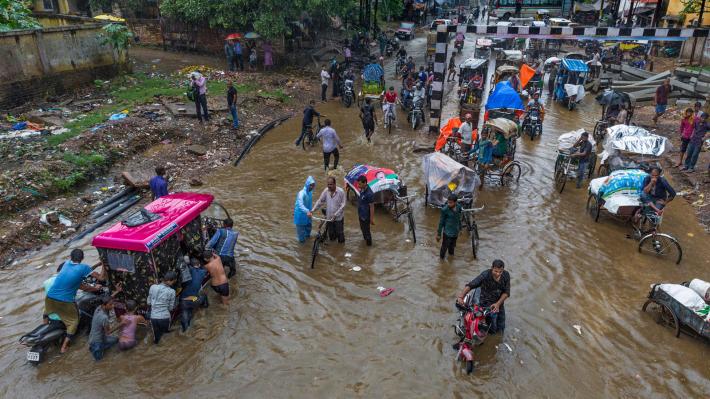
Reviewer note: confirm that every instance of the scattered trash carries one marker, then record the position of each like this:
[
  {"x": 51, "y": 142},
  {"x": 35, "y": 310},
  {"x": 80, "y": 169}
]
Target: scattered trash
[
  {"x": 19, "y": 126},
  {"x": 578, "y": 328},
  {"x": 20, "y": 134},
  {"x": 690, "y": 235},
  {"x": 195, "y": 182},
  {"x": 197, "y": 149},
  {"x": 97, "y": 127},
  {"x": 508, "y": 346},
  {"x": 385, "y": 292},
  {"x": 54, "y": 217},
  {"x": 356, "y": 268},
  {"x": 407, "y": 240},
  {"x": 121, "y": 115},
  {"x": 166, "y": 141},
  {"x": 348, "y": 254}
]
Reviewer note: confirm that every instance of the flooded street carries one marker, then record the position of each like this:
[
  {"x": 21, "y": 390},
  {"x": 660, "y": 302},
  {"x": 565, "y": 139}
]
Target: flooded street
[{"x": 293, "y": 331}]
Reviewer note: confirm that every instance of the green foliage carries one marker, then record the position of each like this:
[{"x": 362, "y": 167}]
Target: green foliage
[
  {"x": 15, "y": 14},
  {"x": 269, "y": 18},
  {"x": 65, "y": 183},
  {"x": 390, "y": 8},
  {"x": 85, "y": 160},
  {"x": 117, "y": 36},
  {"x": 690, "y": 7}
]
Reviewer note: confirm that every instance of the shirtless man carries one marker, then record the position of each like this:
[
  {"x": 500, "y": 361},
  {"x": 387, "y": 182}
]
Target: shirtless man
[{"x": 218, "y": 278}]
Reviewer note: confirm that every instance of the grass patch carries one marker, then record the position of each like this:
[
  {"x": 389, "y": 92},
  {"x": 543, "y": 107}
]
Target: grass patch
[
  {"x": 704, "y": 68},
  {"x": 276, "y": 94},
  {"x": 65, "y": 183},
  {"x": 85, "y": 160}
]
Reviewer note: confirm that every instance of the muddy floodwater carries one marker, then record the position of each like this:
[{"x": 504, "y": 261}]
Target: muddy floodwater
[{"x": 296, "y": 332}]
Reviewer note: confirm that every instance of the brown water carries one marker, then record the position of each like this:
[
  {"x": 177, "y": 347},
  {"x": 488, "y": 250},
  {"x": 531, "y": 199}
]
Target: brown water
[{"x": 296, "y": 332}]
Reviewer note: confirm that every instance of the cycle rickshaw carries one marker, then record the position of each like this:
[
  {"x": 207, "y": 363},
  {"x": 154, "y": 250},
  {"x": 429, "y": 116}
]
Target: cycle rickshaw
[
  {"x": 565, "y": 165},
  {"x": 442, "y": 177},
  {"x": 504, "y": 169},
  {"x": 611, "y": 102},
  {"x": 629, "y": 147},
  {"x": 671, "y": 312},
  {"x": 619, "y": 195},
  {"x": 373, "y": 83},
  {"x": 569, "y": 88},
  {"x": 389, "y": 192}
]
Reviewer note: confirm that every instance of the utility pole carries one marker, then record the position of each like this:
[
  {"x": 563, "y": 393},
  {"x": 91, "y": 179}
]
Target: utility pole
[{"x": 700, "y": 25}]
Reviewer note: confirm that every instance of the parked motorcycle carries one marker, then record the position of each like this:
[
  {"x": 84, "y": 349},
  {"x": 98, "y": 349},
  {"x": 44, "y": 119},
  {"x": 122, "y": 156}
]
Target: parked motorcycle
[
  {"x": 40, "y": 339},
  {"x": 471, "y": 329}
]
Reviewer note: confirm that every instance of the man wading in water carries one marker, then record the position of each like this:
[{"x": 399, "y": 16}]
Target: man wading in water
[{"x": 495, "y": 289}]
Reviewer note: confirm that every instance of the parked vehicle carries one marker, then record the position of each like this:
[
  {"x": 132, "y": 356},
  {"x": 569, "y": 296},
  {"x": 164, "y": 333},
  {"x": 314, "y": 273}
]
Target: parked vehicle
[{"x": 405, "y": 31}]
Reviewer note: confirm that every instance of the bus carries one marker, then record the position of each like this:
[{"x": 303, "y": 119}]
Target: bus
[{"x": 505, "y": 9}]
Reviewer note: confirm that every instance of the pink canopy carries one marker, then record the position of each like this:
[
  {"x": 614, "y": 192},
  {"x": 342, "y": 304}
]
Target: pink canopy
[{"x": 176, "y": 211}]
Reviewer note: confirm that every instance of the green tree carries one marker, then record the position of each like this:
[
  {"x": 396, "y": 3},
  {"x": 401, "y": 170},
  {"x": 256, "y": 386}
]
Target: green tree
[
  {"x": 16, "y": 14},
  {"x": 117, "y": 36}
]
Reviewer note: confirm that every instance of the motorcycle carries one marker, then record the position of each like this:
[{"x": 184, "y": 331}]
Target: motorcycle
[
  {"x": 39, "y": 339},
  {"x": 347, "y": 96},
  {"x": 532, "y": 125},
  {"x": 417, "y": 113},
  {"x": 399, "y": 65},
  {"x": 406, "y": 102},
  {"x": 391, "y": 46},
  {"x": 471, "y": 329}
]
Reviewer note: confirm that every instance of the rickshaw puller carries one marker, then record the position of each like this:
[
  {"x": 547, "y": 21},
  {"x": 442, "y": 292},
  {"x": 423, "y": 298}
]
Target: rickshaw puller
[
  {"x": 450, "y": 224},
  {"x": 584, "y": 152}
]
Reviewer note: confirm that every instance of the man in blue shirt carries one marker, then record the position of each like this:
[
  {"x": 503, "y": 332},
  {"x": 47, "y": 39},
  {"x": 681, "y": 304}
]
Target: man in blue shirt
[
  {"x": 365, "y": 208},
  {"x": 158, "y": 184},
  {"x": 192, "y": 296},
  {"x": 308, "y": 114},
  {"x": 238, "y": 60},
  {"x": 657, "y": 192},
  {"x": 61, "y": 295},
  {"x": 223, "y": 242},
  {"x": 301, "y": 208}
]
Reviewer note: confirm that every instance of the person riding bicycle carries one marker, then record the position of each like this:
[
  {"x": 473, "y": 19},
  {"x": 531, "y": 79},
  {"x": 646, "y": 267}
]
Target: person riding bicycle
[
  {"x": 389, "y": 100},
  {"x": 308, "y": 114},
  {"x": 657, "y": 192}
]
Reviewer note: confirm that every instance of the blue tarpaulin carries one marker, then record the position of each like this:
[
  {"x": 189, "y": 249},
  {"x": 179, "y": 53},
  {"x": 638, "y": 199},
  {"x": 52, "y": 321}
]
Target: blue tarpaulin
[
  {"x": 373, "y": 73},
  {"x": 504, "y": 96},
  {"x": 574, "y": 65}
]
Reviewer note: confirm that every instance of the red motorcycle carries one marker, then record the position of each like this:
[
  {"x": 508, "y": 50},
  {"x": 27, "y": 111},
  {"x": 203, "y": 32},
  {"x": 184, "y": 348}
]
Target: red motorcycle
[{"x": 471, "y": 329}]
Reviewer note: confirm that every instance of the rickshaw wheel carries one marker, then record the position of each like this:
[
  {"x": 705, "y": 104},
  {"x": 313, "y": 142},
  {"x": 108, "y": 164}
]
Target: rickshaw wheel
[
  {"x": 665, "y": 316},
  {"x": 592, "y": 165},
  {"x": 593, "y": 207},
  {"x": 603, "y": 170},
  {"x": 511, "y": 173},
  {"x": 426, "y": 195},
  {"x": 598, "y": 133},
  {"x": 560, "y": 180},
  {"x": 660, "y": 244},
  {"x": 474, "y": 239},
  {"x": 412, "y": 226}
]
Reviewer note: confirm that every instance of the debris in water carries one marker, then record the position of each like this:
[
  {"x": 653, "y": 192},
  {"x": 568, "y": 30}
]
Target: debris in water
[
  {"x": 356, "y": 268},
  {"x": 508, "y": 346},
  {"x": 348, "y": 254},
  {"x": 386, "y": 292},
  {"x": 691, "y": 235},
  {"x": 407, "y": 240},
  {"x": 578, "y": 328}
]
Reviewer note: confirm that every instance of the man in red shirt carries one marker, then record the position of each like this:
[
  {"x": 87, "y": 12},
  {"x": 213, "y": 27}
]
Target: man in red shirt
[
  {"x": 661, "y": 99},
  {"x": 389, "y": 99}
]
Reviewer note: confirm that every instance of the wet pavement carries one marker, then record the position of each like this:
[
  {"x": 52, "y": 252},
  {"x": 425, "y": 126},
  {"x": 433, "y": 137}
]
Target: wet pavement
[{"x": 298, "y": 332}]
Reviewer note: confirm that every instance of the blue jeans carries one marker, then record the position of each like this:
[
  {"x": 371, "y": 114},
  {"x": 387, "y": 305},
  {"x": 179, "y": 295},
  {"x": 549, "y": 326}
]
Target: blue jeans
[
  {"x": 303, "y": 231},
  {"x": 235, "y": 118},
  {"x": 496, "y": 321},
  {"x": 581, "y": 171},
  {"x": 692, "y": 154},
  {"x": 97, "y": 348}
]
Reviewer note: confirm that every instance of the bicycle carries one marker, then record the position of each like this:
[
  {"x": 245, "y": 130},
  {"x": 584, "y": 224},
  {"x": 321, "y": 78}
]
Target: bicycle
[
  {"x": 320, "y": 238},
  {"x": 310, "y": 138},
  {"x": 401, "y": 206},
  {"x": 469, "y": 222},
  {"x": 389, "y": 119},
  {"x": 650, "y": 240}
]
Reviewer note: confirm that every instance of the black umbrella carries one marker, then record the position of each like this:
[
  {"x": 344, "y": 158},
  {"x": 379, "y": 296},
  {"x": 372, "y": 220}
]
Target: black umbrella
[{"x": 613, "y": 97}]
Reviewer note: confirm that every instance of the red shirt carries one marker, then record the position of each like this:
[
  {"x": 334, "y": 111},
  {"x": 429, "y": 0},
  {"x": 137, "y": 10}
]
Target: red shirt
[{"x": 390, "y": 97}]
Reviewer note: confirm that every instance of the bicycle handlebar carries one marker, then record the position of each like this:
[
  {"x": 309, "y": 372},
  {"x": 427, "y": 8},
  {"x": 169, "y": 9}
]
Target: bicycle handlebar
[
  {"x": 473, "y": 209},
  {"x": 321, "y": 219},
  {"x": 405, "y": 197}
]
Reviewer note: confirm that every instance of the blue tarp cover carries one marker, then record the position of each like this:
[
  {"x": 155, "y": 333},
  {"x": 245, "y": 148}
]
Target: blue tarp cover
[
  {"x": 575, "y": 65},
  {"x": 373, "y": 72},
  {"x": 504, "y": 96}
]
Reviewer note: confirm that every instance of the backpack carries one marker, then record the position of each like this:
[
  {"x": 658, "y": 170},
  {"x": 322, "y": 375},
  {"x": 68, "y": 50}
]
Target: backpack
[{"x": 192, "y": 92}]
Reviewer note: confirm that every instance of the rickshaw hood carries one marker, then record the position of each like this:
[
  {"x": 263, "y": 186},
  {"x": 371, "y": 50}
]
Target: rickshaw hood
[{"x": 175, "y": 210}]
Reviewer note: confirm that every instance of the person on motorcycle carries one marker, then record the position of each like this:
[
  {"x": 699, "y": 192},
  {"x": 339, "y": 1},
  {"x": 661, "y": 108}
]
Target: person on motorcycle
[
  {"x": 308, "y": 114},
  {"x": 389, "y": 99},
  {"x": 60, "y": 298},
  {"x": 348, "y": 80},
  {"x": 495, "y": 289},
  {"x": 460, "y": 37},
  {"x": 407, "y": 90},
  {"x": 535, "y": 105},
  {"x": 422, "y": 76},
  {"x": 419, "y": 94}
]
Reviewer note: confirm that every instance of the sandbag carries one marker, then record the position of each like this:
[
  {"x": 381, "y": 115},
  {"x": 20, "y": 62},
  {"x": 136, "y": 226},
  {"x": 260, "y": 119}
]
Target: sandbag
[
  {"x": 687, "y": 297},
  {"x": 701, "y": 288}
]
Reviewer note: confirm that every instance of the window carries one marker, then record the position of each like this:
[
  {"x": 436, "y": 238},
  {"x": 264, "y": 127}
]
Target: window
[
  {"x": 48, "y": 4},
  {"x": 121, "y": 262}
]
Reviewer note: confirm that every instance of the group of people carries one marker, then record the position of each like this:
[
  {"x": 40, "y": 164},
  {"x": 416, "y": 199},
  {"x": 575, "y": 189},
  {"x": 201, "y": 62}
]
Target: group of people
[
  {"x": 198, "y": 85},
  {"x": 235, "y": 52},
  {"x": 182, "y": 287},
  {"x": 332, "y": 201},
  {"x": 694, "y": 127}
]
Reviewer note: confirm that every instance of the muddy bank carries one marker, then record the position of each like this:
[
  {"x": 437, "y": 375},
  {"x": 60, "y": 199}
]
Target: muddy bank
[
  {"x": 74, "y": 170},
  {"x": 693, "y": 187}
]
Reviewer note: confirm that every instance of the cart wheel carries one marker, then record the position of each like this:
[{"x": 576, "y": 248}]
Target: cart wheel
[
  {"x": 560, "y": 180},
  {"x": 593, "y": 207},
  {"x": 314, "y": 252},
  {"x": 558, "y": 162},
  {"x": 665, "y": 316},
  {"x": 412, "y": 226},
  {"x": 661, "y": 245},
  {"x": 474, "y": 239},
  {"x": 511, "y": 173},
  {"x": 599, "y": 128},
  {"x": 603, "y": 170},
  {"x": 426, "y": 195}
]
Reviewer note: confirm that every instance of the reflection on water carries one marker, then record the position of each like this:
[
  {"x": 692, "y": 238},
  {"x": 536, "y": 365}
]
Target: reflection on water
[{"x": 293, "y": 331}]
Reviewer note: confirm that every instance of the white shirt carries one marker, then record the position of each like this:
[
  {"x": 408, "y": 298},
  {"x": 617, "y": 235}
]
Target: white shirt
[
  {"x": 466, "y": 131},
  {"x": 334, "y": 203},
  {"x": 324, "y": 77}
]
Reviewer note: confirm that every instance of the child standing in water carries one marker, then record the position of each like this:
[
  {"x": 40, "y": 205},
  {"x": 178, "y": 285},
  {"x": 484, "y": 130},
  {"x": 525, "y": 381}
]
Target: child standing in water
[{"x": 128, "y": 324}]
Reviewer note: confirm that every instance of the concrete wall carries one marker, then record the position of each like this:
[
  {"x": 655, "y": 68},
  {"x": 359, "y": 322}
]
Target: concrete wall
[
  {"x": 52, "y": 61},
  {"x": 148, "y": 31}
]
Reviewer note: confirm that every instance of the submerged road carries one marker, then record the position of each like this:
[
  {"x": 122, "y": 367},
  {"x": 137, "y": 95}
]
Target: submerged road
[{"x": 296, "y": 332}]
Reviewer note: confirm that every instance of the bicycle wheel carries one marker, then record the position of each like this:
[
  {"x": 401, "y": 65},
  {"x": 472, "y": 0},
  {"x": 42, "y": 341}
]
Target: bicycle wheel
[
  {"x": 389, "y": 124},
  {"x": 314, "y": 252},
  {"x": 661, "y": 245},
  {"x": 592, "y": 165},
  {"x": 511, "y": 173},
  {"x": 558, "y": 162},
  {"x": 599, "y": 128},
  {"x": 474, "y": 239},
  {"x": 412, "y": 226},
  {"x": 593, "y": 207},
  {"x": 560, "y": 179},
  {"x": 603, "y": 170},
  {"x": 303, "y": 142}
]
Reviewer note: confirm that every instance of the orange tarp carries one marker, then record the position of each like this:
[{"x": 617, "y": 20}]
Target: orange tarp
[
  {"x": 526, "y": 73},
  {"x": 445, "y": 132}
]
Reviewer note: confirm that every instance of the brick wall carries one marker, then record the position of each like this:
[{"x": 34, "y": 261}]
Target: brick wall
[
  {"x": 36, "y": 63},
  {"x": 148, "y": 31}
]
